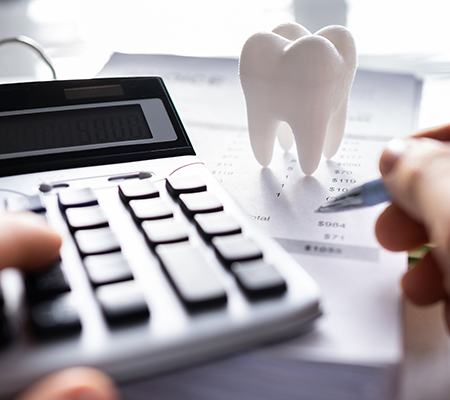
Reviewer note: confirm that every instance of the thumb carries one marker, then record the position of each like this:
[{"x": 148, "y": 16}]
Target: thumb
[
  {"x": 26, "y": 241},
  {"x": 73, "y": 384}
]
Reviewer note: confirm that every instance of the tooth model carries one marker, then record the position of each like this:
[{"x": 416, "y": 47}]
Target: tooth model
[{"x": 292, "y": 78}]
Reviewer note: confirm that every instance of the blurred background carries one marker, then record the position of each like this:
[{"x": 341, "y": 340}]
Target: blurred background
[{"x": 80, "y": 35}]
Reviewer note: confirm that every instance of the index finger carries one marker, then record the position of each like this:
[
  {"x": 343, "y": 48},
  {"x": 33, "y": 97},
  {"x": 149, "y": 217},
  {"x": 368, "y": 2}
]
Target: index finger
[
  {"x": 26, "y": 241},
  {"x": 441, "y": 132}
]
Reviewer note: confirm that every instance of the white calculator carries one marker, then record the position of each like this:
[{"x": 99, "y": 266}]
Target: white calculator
[{"x": 159, "y": 268}]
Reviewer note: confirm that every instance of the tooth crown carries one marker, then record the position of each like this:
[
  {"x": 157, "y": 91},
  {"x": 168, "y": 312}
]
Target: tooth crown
[{"x": 291, "y": 76}]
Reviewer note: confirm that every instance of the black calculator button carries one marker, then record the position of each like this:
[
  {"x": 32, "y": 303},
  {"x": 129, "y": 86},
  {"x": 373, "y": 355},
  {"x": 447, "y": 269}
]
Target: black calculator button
[
  {"x": 230, "y": 249},
  {"x": 86, "y": 217},
  {"x": 258, "y": 279},
  {"x": 216, "y": 224},
  {"x": 164, "y": 231},
  {"x": 137, "y": 189},
  {"x": 76, "y": 198},
  {"x": 122, "y": 302},
  {"x": 199, "y": 203},
  {"x": 177, "y": 185},
  {"x": 150, "y": 209},
  {"x": 46, "y": 283},
  {"x": 193, "y": 278},
  {"x": 107, "y": 268},
  {"x": 96, "y": 241},
  {"x": 5, "y": 332},
  {"x": 54, "y": 317}
]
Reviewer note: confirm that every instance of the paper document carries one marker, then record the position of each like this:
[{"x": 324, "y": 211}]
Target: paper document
[
  {"x": 209, "y": 99},
  {"x": 362, "y": 324}
]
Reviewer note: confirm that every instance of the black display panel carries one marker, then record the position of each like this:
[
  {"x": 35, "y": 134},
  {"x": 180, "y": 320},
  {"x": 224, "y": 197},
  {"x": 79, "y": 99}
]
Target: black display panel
[{"x": 72, "y": 128}]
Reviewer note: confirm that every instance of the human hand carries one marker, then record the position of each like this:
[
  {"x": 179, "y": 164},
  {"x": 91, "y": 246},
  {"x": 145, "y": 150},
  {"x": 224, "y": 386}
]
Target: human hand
[
  {"x": 27, "y": 243},
  {"x": 416, "y": 171}
]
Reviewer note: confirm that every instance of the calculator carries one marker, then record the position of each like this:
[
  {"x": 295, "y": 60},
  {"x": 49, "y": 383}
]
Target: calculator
[{"x": 159, "y": 268}]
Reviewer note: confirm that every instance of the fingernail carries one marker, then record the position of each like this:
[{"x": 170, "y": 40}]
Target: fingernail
[{"x": 394, "y": 149}]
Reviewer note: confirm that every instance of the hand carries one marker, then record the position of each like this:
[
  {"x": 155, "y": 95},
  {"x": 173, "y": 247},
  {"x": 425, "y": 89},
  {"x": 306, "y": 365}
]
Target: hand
[
  {"x": 416, "y": 171},
  {"x": 27, "y": 243}
]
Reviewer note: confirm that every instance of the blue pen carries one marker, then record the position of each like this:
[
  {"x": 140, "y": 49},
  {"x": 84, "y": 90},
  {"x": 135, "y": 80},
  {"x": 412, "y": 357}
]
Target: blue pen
[{"x": 366, "y": 195}]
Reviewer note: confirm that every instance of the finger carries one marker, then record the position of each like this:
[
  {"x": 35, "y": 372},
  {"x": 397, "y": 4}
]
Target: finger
[
  {"x": 447, "y": 314},
  {"x": 396, "y": 231},
  {"x": 441, "y": 132},
  {"x": 26, "y": 241},
  {"x": 73, "y": 384},
  {"x": 418, "y": 181},
  {"x": 423, "y": 284}
]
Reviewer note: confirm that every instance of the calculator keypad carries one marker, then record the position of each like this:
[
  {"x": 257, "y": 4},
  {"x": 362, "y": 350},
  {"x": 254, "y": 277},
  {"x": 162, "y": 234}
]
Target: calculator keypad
[{"x": 165, "y": 226}]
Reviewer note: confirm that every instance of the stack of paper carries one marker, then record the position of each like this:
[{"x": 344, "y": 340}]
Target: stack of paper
[{"x": 356, "y": 350}]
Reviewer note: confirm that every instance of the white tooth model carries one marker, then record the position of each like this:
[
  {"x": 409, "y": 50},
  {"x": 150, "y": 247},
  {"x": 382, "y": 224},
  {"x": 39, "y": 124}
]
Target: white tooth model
[{"x": 290, "y": 75}]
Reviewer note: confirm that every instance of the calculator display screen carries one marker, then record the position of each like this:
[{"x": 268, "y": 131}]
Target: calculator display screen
[
  {"x": 47, "y": 130},
  {"x": 84, "y": 127}
]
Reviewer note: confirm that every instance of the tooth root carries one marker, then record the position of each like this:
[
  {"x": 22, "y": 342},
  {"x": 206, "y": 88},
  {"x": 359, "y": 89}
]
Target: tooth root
[
  {"x": 309, "y": 135},
  {"x": 284, "y": 134},
  {"x": 336, "y": 129},
  {"x": 262, "y": 131}
]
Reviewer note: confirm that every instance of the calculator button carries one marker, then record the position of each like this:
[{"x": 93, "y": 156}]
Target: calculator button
[
  {"x": 199, "y": 203},
  {"x": 150, "y": 209},
  {"x": 96, "y": 241},
  {"x": 176, "y": 185},
  {"x": 107, "y": 268},
  {"x": 164, "y": 231},
  {"x": 258, "y": 279},
  {"x": 54, "y": 317},
  {"x": 230, "y": 249},
  {"x": 5, "y": 332},
  {"x": 137, "y": 189},
  {"x": 122, "y": 302},
  {"x": 191, "y": 275},
  {"x": 216, "y": 224},
  {"x": 46, "y": 283},
  {"x": 76, "y": 198},
  {"x": 86, "y": 217}
]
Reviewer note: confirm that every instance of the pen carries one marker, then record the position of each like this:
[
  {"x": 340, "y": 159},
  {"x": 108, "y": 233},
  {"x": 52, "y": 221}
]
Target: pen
[{"x": 366, "y": 195}]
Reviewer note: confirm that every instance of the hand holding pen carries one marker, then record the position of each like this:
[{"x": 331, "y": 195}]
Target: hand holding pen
[{"x": 416, "y": 176}]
